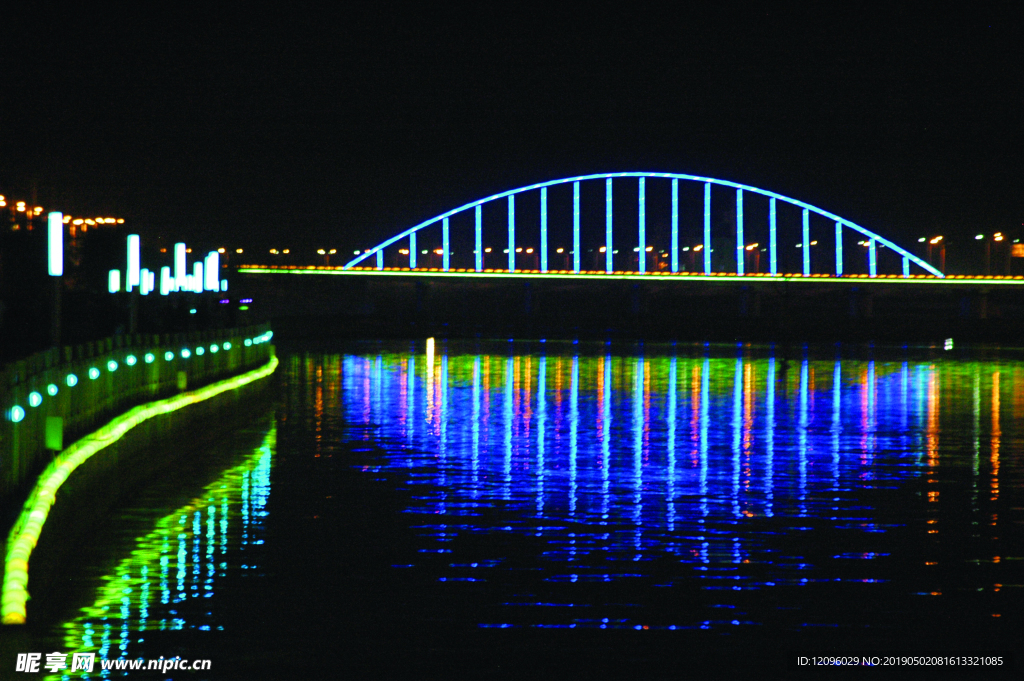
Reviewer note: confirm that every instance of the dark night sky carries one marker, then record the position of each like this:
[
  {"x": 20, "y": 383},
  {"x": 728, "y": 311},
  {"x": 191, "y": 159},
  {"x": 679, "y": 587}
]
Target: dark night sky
[{"x": 309, "y": 127}]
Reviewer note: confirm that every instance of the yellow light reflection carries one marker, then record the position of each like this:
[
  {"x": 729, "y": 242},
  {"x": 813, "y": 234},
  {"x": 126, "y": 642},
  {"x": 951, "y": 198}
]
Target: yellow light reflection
[{"x": 996, "y": 436}]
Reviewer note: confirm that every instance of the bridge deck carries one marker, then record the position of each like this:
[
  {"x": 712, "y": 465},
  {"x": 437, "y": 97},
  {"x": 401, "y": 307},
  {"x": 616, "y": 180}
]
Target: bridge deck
[{"x": 723, "y": 277}]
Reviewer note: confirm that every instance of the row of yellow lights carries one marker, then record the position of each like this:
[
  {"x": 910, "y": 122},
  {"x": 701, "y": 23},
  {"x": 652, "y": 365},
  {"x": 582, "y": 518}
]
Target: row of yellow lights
[
  {"x": 219, "y": 250},
  {"x": 621, "y": 272},
  {"x": 22, "y": 207},
  {"x": 603, "y": 249},
  {"x": 662, "y": 274},
  {"x": 440, "y": 251},
  {"x": 998, "y": 236},
  {"x": 93, "y": 221}
]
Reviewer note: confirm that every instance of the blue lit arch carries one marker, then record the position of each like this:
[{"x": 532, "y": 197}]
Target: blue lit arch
[{"x": 872, "y": 243}]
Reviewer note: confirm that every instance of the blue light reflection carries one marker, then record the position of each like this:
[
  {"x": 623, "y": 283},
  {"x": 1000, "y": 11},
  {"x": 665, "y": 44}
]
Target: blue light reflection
[{"x": 618, "y": 461}]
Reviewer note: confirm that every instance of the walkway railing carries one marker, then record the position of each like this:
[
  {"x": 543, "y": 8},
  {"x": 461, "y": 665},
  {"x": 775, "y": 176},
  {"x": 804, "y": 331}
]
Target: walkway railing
[{"x": 84, "y": 386}]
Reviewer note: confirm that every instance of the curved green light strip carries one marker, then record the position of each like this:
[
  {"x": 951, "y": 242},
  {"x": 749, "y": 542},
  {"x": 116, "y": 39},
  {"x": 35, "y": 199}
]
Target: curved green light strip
[
  {"x": 26, "y": 531},
  {"x": 673, "y": 176}
]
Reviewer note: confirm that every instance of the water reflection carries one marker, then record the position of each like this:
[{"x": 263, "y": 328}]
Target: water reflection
[
  {"x": 710, "y": 463},
  {"x": 162, "y": 584}
]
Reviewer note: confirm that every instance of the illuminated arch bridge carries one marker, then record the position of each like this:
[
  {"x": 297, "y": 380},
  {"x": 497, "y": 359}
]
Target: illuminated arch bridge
[{"x": 658, "y": 240}]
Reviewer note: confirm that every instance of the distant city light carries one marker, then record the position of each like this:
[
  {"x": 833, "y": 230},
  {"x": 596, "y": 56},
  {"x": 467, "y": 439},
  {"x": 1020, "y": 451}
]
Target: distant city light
[
  {"x": 148, "y": 282},
  {"x": 134, "y": 261},
  {"x": 180, "y": 271},
  {"x": 211, "y": 271},
  {"x": 114, "y": 281},
  {"x": 166, "y": 284},
  {"x": 55, "y": 243}
]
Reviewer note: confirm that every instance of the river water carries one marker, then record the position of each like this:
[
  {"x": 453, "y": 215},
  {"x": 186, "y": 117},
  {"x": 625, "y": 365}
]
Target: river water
[{"x": 495, "y": 508}]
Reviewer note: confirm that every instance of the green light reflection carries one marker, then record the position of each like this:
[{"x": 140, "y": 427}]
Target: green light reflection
[{"x": 180, "y": 559}]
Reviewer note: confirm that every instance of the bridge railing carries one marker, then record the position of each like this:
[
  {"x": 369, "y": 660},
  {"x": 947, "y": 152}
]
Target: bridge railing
[
  {"x": 87, "y": 384},
  {"x": 640, "y": 241}
]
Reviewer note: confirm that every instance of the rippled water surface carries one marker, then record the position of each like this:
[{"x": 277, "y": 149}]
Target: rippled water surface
[{"x": 412, "y": 491}]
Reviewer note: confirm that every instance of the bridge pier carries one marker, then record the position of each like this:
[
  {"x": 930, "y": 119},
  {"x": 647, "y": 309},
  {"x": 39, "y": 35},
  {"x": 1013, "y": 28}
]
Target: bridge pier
[
  {"x": 965, "y": 306},
  {"x": 750, "y": 302},
  {"x": 862, "y": 303}
]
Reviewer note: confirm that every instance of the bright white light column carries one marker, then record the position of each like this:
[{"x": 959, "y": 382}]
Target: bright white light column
[
  {"x": 180, "y": 266},
  {"x": 132, "y": 277},
  {"x": 55, "y": 244}
]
